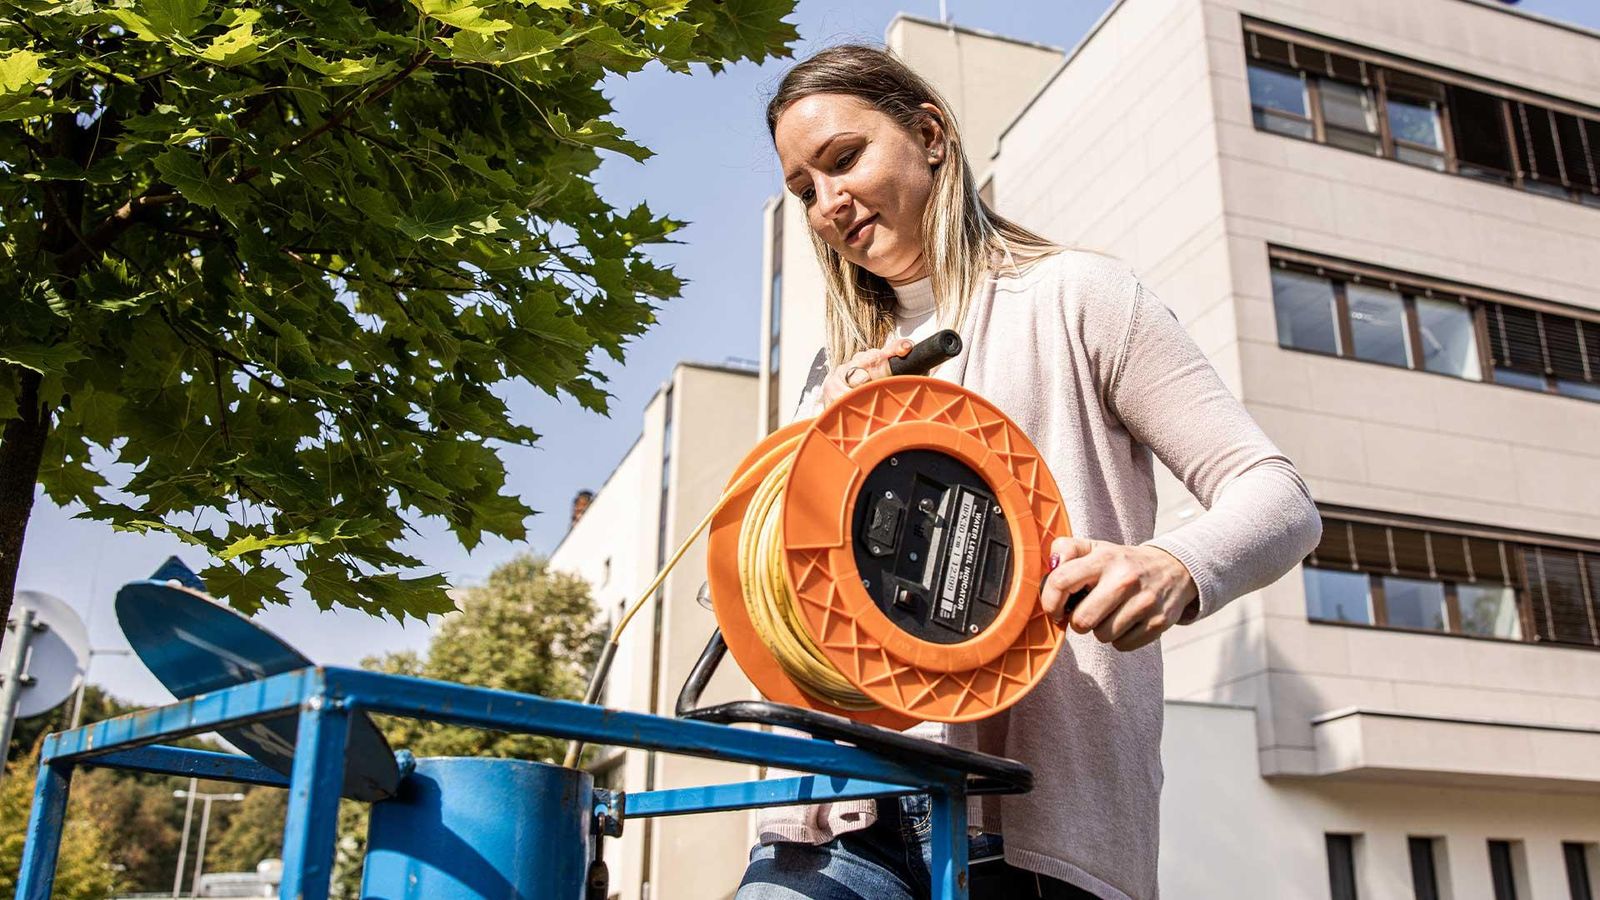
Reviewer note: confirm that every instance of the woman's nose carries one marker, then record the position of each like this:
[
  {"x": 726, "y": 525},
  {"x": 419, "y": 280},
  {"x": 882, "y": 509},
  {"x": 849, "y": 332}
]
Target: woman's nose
[{"x": 833, "y": 199}]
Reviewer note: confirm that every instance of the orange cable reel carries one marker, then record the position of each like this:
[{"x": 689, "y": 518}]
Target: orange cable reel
[{"x": 883, "y": 561}]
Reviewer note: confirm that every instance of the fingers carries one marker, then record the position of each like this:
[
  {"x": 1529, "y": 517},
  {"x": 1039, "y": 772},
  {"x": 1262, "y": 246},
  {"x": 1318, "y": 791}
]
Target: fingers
[
  {"x": 1072, "y": 567},
  {"x": 879, "y": 365},
  {"x": 1122, "y": 596},
  {"x": 863, "y": 367}
]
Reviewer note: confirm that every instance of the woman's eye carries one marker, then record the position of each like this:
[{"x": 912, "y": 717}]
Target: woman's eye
[
  {"x": 845, "y": 159},
  {"x": 807, "y": 195}
]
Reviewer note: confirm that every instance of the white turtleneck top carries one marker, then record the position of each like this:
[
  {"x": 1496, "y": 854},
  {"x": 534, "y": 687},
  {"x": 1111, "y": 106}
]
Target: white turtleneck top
[{"x": 914, "y": 313}]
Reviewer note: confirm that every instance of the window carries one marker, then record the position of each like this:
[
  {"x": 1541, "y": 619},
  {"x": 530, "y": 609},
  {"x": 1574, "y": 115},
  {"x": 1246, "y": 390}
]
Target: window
[
  {"x": 1342, "y": 866},
  {"x": 1489, "y": 610},
  {"x": 1580, "y": 860},
  {"x": 1334, "y": 596},
  {"x": 1506, "y": 870},
  {"x": 775, "y": 316},
  {"x": 1478, "y": 123},
  {"x": 1307, "y": 312},
  {"x": 1544, "y": 351},
  {"x": 1279, "y": 103},
  {"x": 1425, "y": 853},
  {"x": 1362, "y": 312},
  {"x": 1563, "y": 587},
  {"x": 1365, "y": 100},
  {"x": 1449, "y": 338},
  {"x": 1417, "y": 129},
  {"x": 1350, "y": 116},
  {"x": 1378, "y": 329},
  {"x": 1414, "y": 603},
  {"x": 1421, "y": 575}
]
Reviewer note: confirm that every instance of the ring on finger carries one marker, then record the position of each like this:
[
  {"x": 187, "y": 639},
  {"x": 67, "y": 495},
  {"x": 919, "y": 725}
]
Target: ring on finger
[{"x": 850, "y": 374}]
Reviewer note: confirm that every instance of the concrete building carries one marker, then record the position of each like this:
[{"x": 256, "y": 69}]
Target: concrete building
[
  {"x": 694, "y": 431},
  {"x": 1381, "y": 222}
]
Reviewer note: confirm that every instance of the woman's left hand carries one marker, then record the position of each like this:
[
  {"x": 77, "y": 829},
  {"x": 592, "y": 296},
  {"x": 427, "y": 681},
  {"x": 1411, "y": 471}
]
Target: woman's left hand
[{"x": 1135, "y": 592}]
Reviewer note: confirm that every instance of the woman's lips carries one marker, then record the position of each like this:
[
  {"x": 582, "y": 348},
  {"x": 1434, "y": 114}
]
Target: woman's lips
[{"x": 859, "y": 232}]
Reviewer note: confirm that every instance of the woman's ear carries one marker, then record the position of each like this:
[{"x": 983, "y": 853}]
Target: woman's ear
[{"x": 932, "y": 133}]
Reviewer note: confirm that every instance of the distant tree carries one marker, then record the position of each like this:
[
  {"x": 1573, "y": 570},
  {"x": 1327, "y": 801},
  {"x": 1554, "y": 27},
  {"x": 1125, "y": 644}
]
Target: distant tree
[
  {"x": 280, "y": 260},
  {"x": 141, "y": 821},
  {"x": 84, "y": 867},
  {"x": 526, "y": 629},
  {"x": 254, "y": 833}
]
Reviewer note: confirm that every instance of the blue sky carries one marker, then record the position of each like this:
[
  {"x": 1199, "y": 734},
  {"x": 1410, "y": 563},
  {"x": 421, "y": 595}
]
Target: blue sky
[{"x": 714, "y": 167}]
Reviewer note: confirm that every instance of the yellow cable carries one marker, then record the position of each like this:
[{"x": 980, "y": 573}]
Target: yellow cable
[{"x": 774, "y": 611}]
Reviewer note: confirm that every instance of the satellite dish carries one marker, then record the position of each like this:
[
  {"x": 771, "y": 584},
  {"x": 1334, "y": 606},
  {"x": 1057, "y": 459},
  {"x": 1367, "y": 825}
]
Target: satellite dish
[{"x": 57, "y": 656}]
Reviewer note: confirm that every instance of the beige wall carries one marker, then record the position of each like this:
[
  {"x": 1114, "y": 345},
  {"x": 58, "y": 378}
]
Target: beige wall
[
  {"x": 712, "y": 411},
  {"x": 1269, "y": 844},
  {"x": 986, "y": 78}
]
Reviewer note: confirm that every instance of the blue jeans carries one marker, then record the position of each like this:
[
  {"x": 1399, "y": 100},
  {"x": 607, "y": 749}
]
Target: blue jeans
[{"x": 889, "y": 860}]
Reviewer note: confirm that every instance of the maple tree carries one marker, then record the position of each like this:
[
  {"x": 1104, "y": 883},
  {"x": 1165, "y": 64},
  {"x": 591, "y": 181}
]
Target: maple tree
[{"x": 272, "y": 264}]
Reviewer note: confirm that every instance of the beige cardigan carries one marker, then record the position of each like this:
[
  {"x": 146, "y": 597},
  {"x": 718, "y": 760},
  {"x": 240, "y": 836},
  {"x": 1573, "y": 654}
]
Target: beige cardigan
[{"x": 1101, "y": 376}]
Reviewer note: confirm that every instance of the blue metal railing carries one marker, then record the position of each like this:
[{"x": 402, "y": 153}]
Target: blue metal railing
[{"x": 324, "y": 699}]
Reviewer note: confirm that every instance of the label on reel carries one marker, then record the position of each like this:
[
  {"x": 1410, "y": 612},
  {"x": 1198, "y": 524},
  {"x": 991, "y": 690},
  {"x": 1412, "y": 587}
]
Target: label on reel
[
  {"x": 932, "y": 550},
  {"x": 955, "y": 588}
]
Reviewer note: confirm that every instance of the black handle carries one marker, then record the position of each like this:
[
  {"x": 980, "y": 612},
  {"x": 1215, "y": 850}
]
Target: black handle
[{"x": 926, "y": 354}]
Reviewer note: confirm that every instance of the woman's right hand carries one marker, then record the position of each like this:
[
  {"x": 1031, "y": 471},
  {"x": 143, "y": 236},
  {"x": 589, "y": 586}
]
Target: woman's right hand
[{"x": 862, "y": 368}]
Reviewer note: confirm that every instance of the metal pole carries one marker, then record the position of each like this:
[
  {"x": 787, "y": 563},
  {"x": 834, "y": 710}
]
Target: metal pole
[
  {"x": 15, "y": 655},
  {"x": 83, "y": 682},
  {"x": 183, "y": 846},
  {"x": 200, "y": 851}
]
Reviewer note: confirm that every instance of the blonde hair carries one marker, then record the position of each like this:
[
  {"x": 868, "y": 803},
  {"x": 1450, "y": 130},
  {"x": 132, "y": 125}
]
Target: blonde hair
[{"x": 961, "y": 236}]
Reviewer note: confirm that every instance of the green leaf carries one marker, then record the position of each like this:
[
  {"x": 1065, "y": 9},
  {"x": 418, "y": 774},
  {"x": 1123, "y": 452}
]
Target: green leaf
[
  {"x": 20, "y": 71},
  {"x": 248, "y": 590},
  {"x": 46, "y": 360},
  {"x": 160, "y": 20},
  {"x": 346, "y": 70},
  {"x": 445, "y": 218},
  {"x": 238, "y": 45},
  {"x": 462, "y": 14},
  {"x": 68, "y": 480},
  {"x": 322, "y": 533},
  {"x": 598, "y": 133},
  {"x": 516, "y": 44},
  {"x": 183, "y": 170}
]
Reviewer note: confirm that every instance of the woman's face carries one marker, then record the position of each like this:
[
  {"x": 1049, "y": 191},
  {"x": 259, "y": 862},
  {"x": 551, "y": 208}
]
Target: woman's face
[{"x": 863, "y": 179}]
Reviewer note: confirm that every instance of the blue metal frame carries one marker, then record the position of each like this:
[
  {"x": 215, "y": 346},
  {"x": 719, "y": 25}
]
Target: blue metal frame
[{"x": 325, "y": 698}]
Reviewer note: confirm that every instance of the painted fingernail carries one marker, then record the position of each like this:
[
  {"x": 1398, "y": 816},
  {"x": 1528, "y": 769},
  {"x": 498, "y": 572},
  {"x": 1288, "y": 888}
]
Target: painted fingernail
[{"x": 1055, "y": 560}]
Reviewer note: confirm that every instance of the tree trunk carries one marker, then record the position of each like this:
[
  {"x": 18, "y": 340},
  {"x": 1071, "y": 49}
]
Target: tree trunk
[{"x": 21, "y": 449}]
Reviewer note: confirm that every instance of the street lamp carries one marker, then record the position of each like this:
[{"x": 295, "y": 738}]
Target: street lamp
[{"x": 205, "y": 823}]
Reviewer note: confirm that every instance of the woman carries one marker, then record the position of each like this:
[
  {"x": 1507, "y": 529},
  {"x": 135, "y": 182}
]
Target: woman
[{"x": 1100, "y": 375}]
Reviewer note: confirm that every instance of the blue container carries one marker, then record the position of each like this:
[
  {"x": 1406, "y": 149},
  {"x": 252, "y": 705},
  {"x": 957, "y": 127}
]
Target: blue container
[{"x": 464, "y": 829}]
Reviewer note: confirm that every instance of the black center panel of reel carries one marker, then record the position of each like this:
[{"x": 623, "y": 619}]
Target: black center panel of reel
[{"x": 932, "y": 546}]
